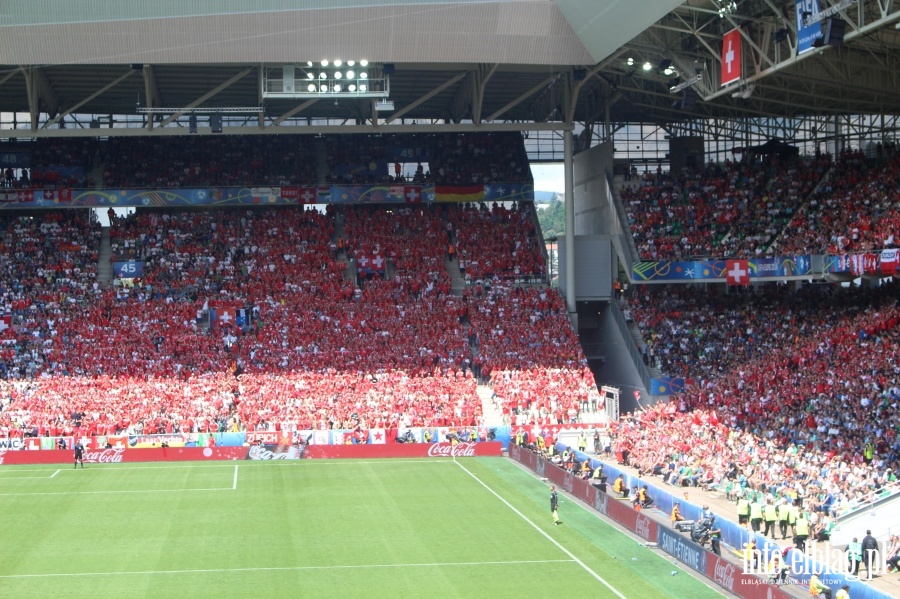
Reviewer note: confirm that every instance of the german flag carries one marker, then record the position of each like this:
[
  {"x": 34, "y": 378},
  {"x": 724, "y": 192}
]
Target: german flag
[{"x": 458, "y": 193}]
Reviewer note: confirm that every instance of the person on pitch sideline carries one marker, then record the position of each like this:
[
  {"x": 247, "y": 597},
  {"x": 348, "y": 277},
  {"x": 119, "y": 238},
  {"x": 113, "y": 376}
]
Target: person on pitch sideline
[
  {"x": 554, "y": 505},
  {"x": 79, "y": 455}
]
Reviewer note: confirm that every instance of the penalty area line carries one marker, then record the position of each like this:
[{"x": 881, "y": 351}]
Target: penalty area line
[
  {"x": 286, "y": 569},
  {"x": 55, "y": 473},
  {"x": 234, "y": 484},
  {"x": 547, "y": 536}
]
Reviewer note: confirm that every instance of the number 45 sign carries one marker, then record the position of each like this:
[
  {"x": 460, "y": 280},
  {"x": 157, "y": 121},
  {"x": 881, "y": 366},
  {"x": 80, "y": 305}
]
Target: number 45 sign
[{"x": 128, "y": 270}]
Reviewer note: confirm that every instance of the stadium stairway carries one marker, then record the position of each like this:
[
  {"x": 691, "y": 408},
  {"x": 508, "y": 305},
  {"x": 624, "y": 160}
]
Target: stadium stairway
[
  {"x": 104, "y": 262},
  {"x": 493, "y": 417},
  {"x": 457, "y": 281}
]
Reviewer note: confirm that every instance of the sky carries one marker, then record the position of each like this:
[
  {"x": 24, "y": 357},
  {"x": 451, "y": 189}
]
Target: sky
[{"x": 549, "y": 177}]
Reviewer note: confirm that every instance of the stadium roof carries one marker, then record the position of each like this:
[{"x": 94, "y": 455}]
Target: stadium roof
[{"x": 465, "y": 61}]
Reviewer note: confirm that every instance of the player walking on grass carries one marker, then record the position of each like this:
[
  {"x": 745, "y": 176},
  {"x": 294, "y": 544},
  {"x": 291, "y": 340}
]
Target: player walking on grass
[
  {"x": 79, "y": 455},
  {"x": 554, "y": 504}
]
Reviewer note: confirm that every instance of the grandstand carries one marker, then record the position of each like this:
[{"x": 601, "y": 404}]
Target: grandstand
[{"x": 290, "y": 219}]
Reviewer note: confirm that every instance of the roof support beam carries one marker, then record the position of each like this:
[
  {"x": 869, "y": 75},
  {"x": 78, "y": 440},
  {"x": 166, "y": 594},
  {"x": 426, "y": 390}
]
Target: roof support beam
[
  {"x": 301, "y": 130},
  {"x": 482, "y": 76},
  {"x": 206, "y": 96},
  {"x": 32, "y": 85},
  {"x": 425, "y": 98},
  {"x": 12, "y": 73},
  {"x": 293, "y": 111},
  {"x": 151, "y": 91},
  {"x": 97, "y": 93},
  {"x": 524, "y": 96}
]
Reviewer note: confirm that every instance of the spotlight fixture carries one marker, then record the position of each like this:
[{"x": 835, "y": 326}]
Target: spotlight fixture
[
  {"x": 647, "y": 66},
  {"x": 333, "y": 78},
  {"x": 630, "y": 61}
]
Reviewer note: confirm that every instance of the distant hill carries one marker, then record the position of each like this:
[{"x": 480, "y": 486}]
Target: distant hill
[{"x": 544, "y": 196}]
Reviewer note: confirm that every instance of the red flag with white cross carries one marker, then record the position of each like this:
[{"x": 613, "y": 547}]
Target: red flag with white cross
[
  {"x": 737, "y": 272},
  {"x": 731, "y": 57}
]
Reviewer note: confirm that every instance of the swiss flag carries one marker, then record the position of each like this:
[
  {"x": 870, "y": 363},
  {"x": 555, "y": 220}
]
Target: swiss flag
[
  {"x": 378, "y": 263},
  {"x": 308, "y": 195},
  {"x": 225, "y": 316},
  {"x": 412, "y": 194},
  {"x": 737, "y": 272},
  {"x": 731, "y": 57},
  {"x": 5, "y": 321}
]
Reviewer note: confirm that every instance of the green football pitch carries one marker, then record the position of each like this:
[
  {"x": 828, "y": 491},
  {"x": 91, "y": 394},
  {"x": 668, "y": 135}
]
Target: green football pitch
[{"x": 473, "y": 527}]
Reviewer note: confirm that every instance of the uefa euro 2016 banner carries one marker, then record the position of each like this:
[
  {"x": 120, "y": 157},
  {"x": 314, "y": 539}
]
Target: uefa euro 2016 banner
[
  {"x": 710, "y": 270},
  {"x": 285, "y": 195}
]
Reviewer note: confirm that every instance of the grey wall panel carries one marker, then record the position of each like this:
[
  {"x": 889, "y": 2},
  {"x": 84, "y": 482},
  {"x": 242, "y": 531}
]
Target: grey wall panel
[
  {"x": 592, "y": 204},
  {"x": 594, "y": 261}
]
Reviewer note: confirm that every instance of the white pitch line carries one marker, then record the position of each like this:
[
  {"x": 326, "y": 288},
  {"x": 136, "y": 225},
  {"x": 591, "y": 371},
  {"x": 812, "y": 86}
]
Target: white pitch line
[
  {"x": 540, "y": 530},
  {"x": 227, "y": 464},
  {"x": 234, "y": 485},
  {"x": 114, "y": 492},
  {"x": 289, "y": 569},
  {"x": 55, "y": 473}
]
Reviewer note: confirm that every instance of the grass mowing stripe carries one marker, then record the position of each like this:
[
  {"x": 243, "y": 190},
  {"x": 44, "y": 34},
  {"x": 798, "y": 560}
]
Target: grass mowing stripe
[
  {"x": 111, "y": 492},
  {"x": 545, "y": 535},
  {"x": 288, "y": 568}
]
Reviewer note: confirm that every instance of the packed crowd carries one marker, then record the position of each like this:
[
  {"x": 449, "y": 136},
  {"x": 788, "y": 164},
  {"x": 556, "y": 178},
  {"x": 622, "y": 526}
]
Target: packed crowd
[
  {"x": 268, "y": 160},
  {"x": 480, "y": 159},
  {"x": 854, "y": 210},
  {"x": 322, "y": 349},
  {"x": 736, "y": 209},
  {"x": 794, "y": 394},
  {"x": 207, "y": 161},
  {"x": 493, "y": 242}
]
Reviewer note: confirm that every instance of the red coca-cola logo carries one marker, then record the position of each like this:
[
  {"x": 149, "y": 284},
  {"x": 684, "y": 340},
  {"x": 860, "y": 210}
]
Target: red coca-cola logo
[
  {"x": 107, "y": 456},
  {"x": 723, "y": 574},
  {"x": 445, "y": 450},
  {"x": 642, "y": 527}
]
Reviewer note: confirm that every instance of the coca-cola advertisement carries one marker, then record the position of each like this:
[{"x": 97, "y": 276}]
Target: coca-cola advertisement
[
  {"x": 104, "y": 456},
  {"x": 121, "y": 454},
  {"x": 405, "y": 450},
  {"x": 276, "y": 452},
  {"x": 731, "y": 578}
]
